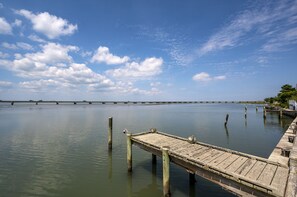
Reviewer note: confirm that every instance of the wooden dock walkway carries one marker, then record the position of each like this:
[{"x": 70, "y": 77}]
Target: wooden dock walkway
[{"x": 240, "y": 173}]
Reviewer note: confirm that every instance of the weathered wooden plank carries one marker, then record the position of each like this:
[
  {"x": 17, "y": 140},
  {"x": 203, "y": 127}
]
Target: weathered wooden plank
[
  {"x": 200, "y": 152},
  {"x": 156, "y": 140},
  {"x": 164, "y": 142},
  {"x": 196, "y": 148},
  {"x": 267, "y": 174},
  {"x": 215, "y": 154},
  {"x": 280, "y": 179},
  {"x": 220, "y": 159},
  {"x": 206, "y": 154},
  {"x": 245, "y": 168},
  {"x": 227, "y": 162},
  {"x": 178, "y": 150},
  {"x": 256, "y": 170},
  {"x": 236, "y": 164},
  {"x": 188, "y": 150},
  {"x": 178, "y": 144}
]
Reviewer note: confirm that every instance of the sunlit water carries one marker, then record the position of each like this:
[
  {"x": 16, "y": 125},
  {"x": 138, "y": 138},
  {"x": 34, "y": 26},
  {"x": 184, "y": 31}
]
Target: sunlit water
[{"x": 61, "y": 150}]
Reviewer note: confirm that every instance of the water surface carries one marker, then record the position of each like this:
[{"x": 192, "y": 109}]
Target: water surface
[{"x": 61, "y": 150}]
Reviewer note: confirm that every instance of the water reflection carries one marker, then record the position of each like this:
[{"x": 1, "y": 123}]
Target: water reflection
[{"x": 62, "y": 150}]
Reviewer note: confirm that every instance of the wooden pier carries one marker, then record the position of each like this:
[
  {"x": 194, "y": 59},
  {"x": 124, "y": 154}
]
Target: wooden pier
[{"x": 240, "y": 173}]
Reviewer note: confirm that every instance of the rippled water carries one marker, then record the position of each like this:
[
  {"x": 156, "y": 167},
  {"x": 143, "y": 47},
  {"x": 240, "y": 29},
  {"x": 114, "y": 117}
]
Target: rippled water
[{"x": 61, "y": 150}]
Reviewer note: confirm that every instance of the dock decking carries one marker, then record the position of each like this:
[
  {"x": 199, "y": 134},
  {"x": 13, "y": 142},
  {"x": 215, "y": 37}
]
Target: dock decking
[{"x": 240, "y": 173}]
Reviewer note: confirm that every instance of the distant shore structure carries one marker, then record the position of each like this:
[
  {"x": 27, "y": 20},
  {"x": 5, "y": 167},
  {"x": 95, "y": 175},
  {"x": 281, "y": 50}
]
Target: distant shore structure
[{"x": 75, "y": 102}]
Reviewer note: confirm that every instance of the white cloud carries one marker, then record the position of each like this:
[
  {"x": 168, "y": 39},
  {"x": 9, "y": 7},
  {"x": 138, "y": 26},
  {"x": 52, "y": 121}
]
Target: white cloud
[
  {"x": 5, "y": 27},
  {"x": 35, "y": 38},
  {"x": 5, "y": 84},
  {"x": 103, "y": 55},
  {"x": 18, "y": 45},
  {"x": 50, "y": 25},
  {"x": 203, "y": 76},
  {"x": 3, "y": 55},
  {"x": 17, "y": 23},
  {"x": 9, "y": 46},
  {"x": 279, "y": 42},
  {"x": 264, "y": 21},
  {"x": 147, "y": 68},
  {"x": 53, "y": 68},
  {"x": 174, "y": 43}
]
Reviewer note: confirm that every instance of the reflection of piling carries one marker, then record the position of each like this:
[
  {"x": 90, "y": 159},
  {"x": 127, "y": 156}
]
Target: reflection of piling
[
  {"x": 256, "y": 109},
  {"x": 129, "y": 152},
  {"x": 110, "y": 133},
  {"x": 264, "y": 112},
  {"x": 226, "y": 121},
  {"x": 166, "y": 168},
  {"x": 109, "y": 164}
]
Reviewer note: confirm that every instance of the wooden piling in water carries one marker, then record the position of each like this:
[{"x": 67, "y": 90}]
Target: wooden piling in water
[
  {"x": 264, "y": 112},
  {"x": 226, "y": 121},
  {"x": 129, "y": 152},
  {"x": 166, "y": 171},
  {"x": 280, "y": 114},
  {"x": 110, "y": 133}
]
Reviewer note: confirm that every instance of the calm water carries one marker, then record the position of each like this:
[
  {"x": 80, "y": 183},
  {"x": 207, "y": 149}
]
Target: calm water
[{"x": 61, "y": 150}]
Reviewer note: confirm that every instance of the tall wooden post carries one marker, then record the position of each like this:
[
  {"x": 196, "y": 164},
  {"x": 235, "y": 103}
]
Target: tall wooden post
[
  {"x": 280, "y": 113},
  {"x": 110, "y": 133},
  {"x": 166, "y": 171},
  {"x": 227, "y": 118},
  {"x": 129, "y": 152}
]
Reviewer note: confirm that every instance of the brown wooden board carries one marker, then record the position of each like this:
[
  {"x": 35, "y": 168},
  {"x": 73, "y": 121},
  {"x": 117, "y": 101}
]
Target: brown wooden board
[
  {"x": 227, "y": 162},
  {"x": 215, "y": 154},
  {"x": 245, "y": 168},
  {"x": 267, "y": 174},
  {"x": 220, "y": 159},
  {"x": 236, "y": 164},
  {"x": 256, "y": 170},
  {"x": 279, "y": 180}
]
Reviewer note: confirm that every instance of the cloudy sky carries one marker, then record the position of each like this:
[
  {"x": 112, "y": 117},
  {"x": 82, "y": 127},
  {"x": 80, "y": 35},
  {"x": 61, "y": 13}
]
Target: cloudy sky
[{"x": 146, "y": 49}]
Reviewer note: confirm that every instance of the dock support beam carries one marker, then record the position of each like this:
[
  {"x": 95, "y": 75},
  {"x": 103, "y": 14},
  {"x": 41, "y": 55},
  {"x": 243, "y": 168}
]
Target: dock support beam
[
  {"x": 109, "y": 133},
  {"x": 154, "y": 159},
  {"x": 129, "y": 152},
  {"x": 166, "y": 171},
  {"x": 192, "y": 178}
]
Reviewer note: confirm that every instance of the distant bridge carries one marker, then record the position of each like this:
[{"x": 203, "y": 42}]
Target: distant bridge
[{"x": 90, "y": 102}]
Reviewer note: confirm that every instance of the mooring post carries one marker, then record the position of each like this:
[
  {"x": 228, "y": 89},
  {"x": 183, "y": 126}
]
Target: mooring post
[
  {"x": 166, "y": 171},
  {"x": 109, "y": 133},
  {"x": 264, "y": 112},
  {"x": 280, "y": 114},
  {"x": 227, "y": 118},
  {"x": 129, "y": 152}
]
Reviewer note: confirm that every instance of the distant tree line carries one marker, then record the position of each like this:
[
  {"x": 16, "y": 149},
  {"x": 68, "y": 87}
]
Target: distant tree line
[{"x": 286, "y": 93}]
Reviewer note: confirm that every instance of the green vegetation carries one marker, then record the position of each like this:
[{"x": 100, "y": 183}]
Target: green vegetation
[{"x": 286, "y": 93}]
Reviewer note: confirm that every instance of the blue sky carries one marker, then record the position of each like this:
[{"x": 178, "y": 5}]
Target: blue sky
[{"x": 146, "y": 50}]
